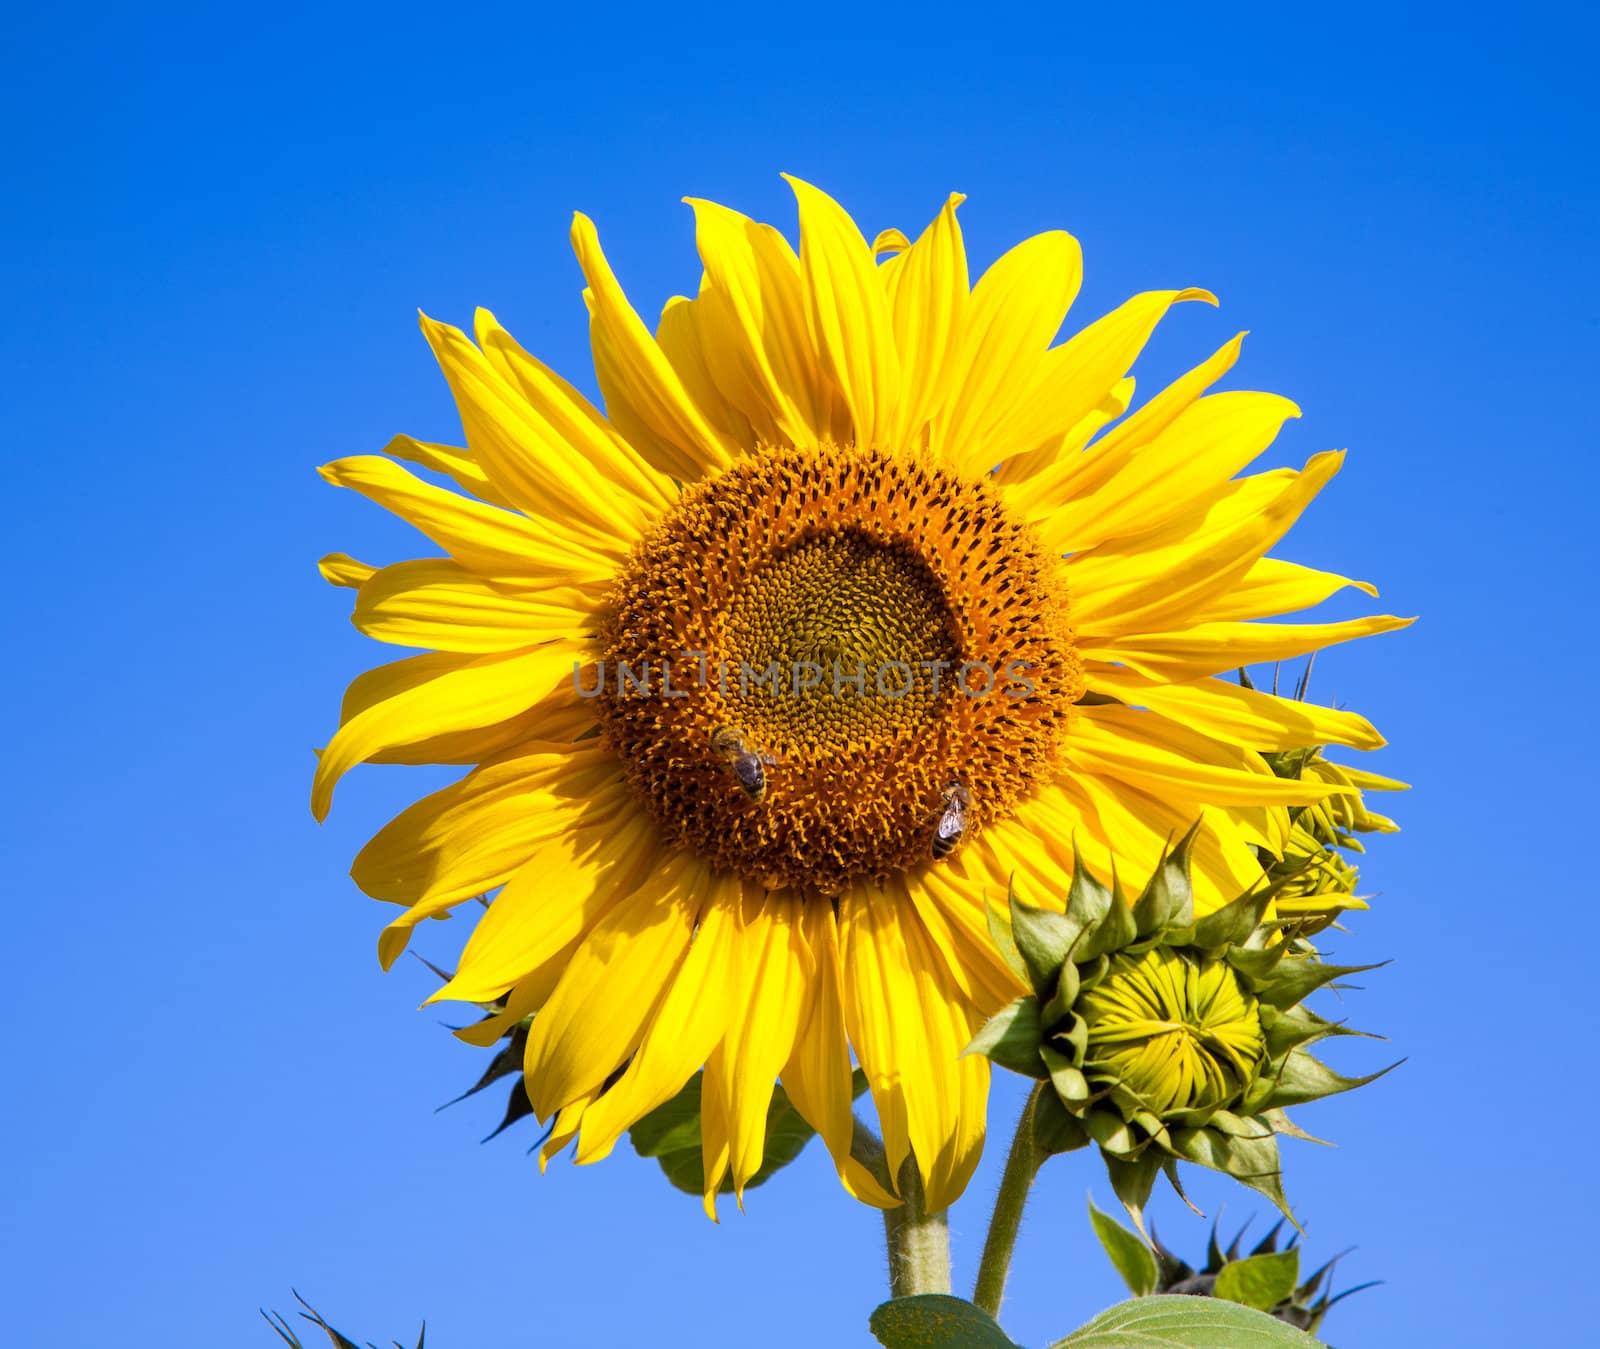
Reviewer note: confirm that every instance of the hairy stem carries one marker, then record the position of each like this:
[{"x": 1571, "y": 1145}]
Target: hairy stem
[
  {"x": 1022, "y": 1165},
  {"x": 918, "y": 1241}
]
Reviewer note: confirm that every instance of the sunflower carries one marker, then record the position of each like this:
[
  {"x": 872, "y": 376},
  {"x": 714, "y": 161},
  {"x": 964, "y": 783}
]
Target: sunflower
[{"x": 861, "y": 599}]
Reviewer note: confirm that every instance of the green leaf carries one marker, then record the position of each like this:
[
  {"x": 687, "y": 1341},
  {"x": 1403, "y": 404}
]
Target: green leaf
[
  {"x": 937, "y": 1321},
  {"x": 1260, "y": 1281},
  {"x": 671, "y": 1134},
  {"x": 1128, "y": 1252},
  {"x": 1011, "y": 1038},
  {"x": 1168, "y": 1321}
]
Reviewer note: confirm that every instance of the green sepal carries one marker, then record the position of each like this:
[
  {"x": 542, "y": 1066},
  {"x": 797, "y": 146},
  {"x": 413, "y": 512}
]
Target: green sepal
[
  {"x": 1115, "y": 931},
  {"x": 1167, "y": 900},
  {"x": 1297, "y": 977},
  {"x": 1133, "y": 1181},
  {"x": 1044, "y": 941},
  {"x": 1055, "y": 1130},
  {"x": 1005, "y": 943},
  {"x": 1233, "y": 923},
  {"x": 507, "y": 1060},
  {"x": 1060, "y": 1005},
  {"x": 671, "y": 1134},
  {"x": 1071, "y": 1033},
  {"x": 1291, "y": 1027},
  {"x": 1113, "y": 1133},
  {"x": 1088, "y": 899},
  {"x": 1011, "y": 1038},
  {"x": 1070, "y": 1084},
  {"x": 1128, "y": 1252},
  {"x": 1301, "y": 1078},
  {"x": 1250, "y": 1155},
  {"x": 1256, "y": 964},
  {"x": 936, "y": 1321},
  {"x": 1260, "y": 1281}
]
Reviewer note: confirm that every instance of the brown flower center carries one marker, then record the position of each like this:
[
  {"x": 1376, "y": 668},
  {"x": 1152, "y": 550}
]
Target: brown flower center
[{"x": 813, "y": 649}]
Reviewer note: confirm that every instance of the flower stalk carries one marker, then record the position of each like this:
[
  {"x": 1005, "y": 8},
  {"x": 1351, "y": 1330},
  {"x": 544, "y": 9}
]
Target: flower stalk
[
  {"x": 1022, "y": 1166},
  {"x": 918, "y": 1240}
]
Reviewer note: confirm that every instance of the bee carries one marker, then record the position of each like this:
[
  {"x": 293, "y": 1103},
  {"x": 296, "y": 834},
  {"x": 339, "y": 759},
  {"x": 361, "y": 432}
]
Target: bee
[
  {"x": 749, "y": 766},
  {"x": 952, "y": 824}
]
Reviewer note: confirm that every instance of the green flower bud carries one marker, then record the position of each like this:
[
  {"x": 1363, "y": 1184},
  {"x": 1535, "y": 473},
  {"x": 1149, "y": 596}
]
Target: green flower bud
[
  {"x": 1169, "y": 1032},
  {"x": 1165, "y": 1038}
]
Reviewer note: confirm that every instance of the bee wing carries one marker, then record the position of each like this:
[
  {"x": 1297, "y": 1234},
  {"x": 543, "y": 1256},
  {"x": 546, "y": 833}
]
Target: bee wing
[{"x": 954, "y": 820}]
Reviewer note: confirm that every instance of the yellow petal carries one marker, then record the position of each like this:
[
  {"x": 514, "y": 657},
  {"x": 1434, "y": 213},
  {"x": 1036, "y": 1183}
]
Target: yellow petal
[
  {"x": 1072, "y": 379},
  {"x": 1124, "y": 832},
  {"x": 817, "y": 1077},
  {"x": 909, "y": 1025},
  {"x": 1166, "y": 759},
  {"x": 1014, "y": 314},
  {"x": 561, "y": 716},
  {"x": 452, "y": 461},
  {"x": 693, "y": 335},
  {"x": 568, "y": 434},
  {"x": 1209, "y": 648},
  {"x": 1225, "y": 710},
  {"x": 928, "y": 295},
  {"x": 480, "y": 692},
  {"x": 1273, "y": 586},
  {"x": 955, "y": 917},
  {"x": 340, "y": 569},
  {"x": 756, "y": 295},
  {"x": 466, "y": 839},
  {"x": 691, "y": 1021},
  {"x": 890, "y": 240},
  {"x": 714, "y": 1143},
  {"x": 643, "y": 393},
  {"x": 551, "y": 902},
  {"x": 1199, "y": 451},
  {"x": 760, "y": 1038},
  {"x": 1166, "y": 578},
  {"x": 543, "y": 476},
  {"x": 487, "y": 539},
  {"x": 848, "y": 314},
  {"x": 436, "y": 603},
  {"x": 569, "y": 1119},
  {"x": 612, "y": 985}
]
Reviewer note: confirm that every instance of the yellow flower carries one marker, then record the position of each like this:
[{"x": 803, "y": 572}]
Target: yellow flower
[{"x": 930, "y": 608}]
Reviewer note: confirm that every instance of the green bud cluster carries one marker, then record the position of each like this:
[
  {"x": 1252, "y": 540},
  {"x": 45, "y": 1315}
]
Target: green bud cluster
[{"x": 1267, "y": 1277}]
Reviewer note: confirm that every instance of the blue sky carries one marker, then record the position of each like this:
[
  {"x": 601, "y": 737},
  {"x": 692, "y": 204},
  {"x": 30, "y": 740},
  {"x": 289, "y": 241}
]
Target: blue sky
[{"x": 217, "y": 227}]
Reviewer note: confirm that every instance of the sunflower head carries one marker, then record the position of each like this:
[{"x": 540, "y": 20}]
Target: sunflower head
[
  {"x": 1165, "y": 1038},
  {"x": 861, "y": 588},
  {"x": 853, "y": 634}
]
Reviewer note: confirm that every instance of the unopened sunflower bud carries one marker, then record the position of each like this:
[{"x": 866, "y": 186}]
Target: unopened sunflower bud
[{"x": 1168, "y": 1038}]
